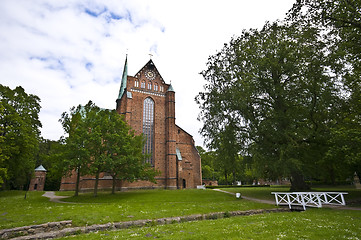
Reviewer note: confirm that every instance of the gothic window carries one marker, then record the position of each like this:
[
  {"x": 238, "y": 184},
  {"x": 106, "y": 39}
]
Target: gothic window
[
  {"x": 143, "y": 84},
  {"x": 161, "y": 88},
  {"x": 148, "y": 128},
  {"x": 136, "y": 83},
  {"x": 155, "y": 87},
  {"x": 150, "y": 86}
]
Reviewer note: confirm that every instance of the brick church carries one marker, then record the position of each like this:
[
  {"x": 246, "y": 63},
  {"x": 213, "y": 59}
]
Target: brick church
[{"x": 148, "y": 104}]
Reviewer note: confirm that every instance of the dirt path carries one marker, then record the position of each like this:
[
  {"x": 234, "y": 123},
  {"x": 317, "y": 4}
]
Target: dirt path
[
  {"x": 53, "y": 198},
  {"x": 248, "y": 198}
]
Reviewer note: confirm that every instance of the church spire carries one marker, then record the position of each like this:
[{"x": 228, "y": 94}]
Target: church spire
[{"x": 123, "y": 84}]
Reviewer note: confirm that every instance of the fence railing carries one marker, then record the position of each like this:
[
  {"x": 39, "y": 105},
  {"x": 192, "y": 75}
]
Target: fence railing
[{"x": 309, "y": 199}]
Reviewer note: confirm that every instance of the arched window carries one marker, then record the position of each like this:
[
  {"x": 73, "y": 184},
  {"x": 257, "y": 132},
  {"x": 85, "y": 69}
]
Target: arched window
[
  {"x": 161, "y": 88},
  {"x": 150, "y": 86},
  {"x": 155, "y": 87},
  {"x": 143, "y": 84},
  {"x": 136, "y": 83},
  {"x": 148, "y": 128}
]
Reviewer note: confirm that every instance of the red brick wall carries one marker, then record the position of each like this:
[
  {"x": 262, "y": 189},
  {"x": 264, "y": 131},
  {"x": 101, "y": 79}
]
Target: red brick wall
[
  {"x": 38, "y": 181},
  {"x": 190, "y": 166}
]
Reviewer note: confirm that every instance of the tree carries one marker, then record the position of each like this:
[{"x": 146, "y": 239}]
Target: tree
[
  {"x": 340, "y": 23},
  {"x": 123, "y": 155},
  {"x": 227, "y": 152},
  {"x": 208, "y": 164},
  {"x": 19, "y": 130},
  {"x": 2, "y": 157},
  {"x": 51, "y": 156},
  {"x": 76, "y": 154},
  {"x": 274, "y": 87},
  {"x": 101, "y": 141}
]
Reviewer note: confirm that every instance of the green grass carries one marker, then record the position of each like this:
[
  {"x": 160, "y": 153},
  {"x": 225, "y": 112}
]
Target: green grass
[
  {"x": 16, "y": 211},
  {"x": 311, "y": 224},
  {"x": 151, "y": 204}
]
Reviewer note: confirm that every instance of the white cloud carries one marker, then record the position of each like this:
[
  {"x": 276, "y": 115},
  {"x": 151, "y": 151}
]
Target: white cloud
[{"x": 69, "y": 52}]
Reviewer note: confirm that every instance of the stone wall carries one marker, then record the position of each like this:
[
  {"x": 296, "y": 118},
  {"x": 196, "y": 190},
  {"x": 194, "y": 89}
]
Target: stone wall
[
  {"x": 122, "y": 225},
  {"x": 34, "y": 229}
]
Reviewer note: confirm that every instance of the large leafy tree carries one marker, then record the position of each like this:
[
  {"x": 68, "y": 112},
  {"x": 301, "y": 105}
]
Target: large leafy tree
[
  {"x": 340, "y": 22},
  {"x": 274, "y": 87},
  {"x": 19, "y": 133}
]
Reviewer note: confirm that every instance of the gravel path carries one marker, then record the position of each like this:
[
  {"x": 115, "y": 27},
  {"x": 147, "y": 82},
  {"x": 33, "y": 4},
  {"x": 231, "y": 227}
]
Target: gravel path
[
  {"x": 249, "y": 198},
  {"x": 53, "y": 198}
]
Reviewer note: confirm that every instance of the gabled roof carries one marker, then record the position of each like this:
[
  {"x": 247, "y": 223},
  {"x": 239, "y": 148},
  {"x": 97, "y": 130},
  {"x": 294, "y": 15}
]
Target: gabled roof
[
  {"x": 40, "y": 169},
  {"x": 149, "y": 65}
]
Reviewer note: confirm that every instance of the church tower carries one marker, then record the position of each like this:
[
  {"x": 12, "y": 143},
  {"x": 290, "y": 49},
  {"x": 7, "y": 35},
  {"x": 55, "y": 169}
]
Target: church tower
[{"x": 148, "y": 104}]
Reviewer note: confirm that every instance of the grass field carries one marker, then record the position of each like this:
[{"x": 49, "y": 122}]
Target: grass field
[
  {"x": 151, "y": 204},
  {"x": 311, "y": 224},
  {"x": 16, "y": 211}
]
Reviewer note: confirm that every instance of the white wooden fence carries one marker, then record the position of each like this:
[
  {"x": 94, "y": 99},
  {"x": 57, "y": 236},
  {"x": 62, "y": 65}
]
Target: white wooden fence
[{"x": 309, "y": 199}]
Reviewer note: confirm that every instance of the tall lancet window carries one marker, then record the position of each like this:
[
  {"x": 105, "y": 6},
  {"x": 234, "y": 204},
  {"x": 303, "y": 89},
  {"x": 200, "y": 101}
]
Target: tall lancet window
[{"x": 148, "y": 128}]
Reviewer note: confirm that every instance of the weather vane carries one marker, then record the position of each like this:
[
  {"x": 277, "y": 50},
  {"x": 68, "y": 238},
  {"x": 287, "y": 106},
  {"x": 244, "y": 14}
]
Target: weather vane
[{"x": 150, "y": 55}]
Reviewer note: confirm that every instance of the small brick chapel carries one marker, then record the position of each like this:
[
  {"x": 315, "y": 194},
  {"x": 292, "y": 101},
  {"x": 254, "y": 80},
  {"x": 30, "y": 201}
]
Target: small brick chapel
[{"x": 148, "y": 104}]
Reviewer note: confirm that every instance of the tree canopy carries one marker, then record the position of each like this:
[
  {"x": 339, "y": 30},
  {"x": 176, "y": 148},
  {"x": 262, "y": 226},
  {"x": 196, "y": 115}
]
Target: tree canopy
[
  {"x": 278, "y": 95},
  {"x": 99, "y": 140},
  {"x": 19, "y": 135}
]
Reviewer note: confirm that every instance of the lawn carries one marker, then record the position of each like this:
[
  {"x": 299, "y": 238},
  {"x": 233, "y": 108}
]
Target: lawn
[
  {"x": 16, "y": 211},
  {"x": 152, "y": 204},
  {"x": 311, "y": 224}
]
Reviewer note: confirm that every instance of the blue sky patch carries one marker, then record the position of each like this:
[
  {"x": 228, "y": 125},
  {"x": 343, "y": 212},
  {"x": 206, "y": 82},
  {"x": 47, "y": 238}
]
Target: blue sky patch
[
  {"x": 51, "y": 62},
  {"x": 89, "y": 66},
  {"x": 113, "y": 16},
  {"x": 95, "y": 12}
]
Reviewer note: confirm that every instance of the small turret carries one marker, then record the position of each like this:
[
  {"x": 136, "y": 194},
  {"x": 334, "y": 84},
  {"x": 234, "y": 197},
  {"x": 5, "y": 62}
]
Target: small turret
[{"x": 38, "y": 180}]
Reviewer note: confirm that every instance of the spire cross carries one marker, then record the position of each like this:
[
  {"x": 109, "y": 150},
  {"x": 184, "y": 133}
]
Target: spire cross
[{"x": 150, "y": 55}]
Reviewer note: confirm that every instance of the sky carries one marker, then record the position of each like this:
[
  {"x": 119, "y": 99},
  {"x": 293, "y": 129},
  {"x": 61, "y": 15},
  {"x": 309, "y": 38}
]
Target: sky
[{"x": 69, "y": 52}]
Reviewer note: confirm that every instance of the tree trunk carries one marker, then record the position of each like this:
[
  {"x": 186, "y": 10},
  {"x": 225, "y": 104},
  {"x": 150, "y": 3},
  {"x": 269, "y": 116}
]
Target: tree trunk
[
  {"x": 297, "y": 182},
  {"x": 77, "y": 182},
  {"x": 234, "y": 177},
  {"x": 114, "y": 182},
  {"x": 225, "y": 177},
  {"x": 332, "y": 176},
  {"x": 96, "y": 184}
]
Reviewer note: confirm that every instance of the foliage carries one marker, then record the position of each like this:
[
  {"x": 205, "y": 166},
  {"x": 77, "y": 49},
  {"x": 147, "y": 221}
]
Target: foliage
[
  {"x": 76, "y": 154},
  {"x": 19, "y": 131},
  {"x": 209, "y": 170},
  {"x": 225, "y": 168},
  {"x": 101, "y": 141},
  {"x": 339, "y": 22},
  {"x": 121, "y": 151},
  {"x": 272, "y": 89},
  {"x": 2, "y": 157},
  {"x": 50, "y": 155}
]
